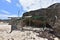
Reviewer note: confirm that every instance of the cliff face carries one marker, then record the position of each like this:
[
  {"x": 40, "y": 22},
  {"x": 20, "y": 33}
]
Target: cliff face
[
  {"x": 56, "y": 5},
  {"x": 36, "y": 12},
  {"x": 56, "y": 9},
  {"x": 51, "y": 11}
]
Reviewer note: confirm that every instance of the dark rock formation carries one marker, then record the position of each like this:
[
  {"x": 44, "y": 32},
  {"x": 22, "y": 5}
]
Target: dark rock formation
[
  {"x": 50, "y": 13},
  {"x": 39, "y": 12}
]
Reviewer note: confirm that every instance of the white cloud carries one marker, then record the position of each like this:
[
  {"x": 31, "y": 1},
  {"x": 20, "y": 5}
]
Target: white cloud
[
  {"x": 4, "y": 11},
  {"x": 30, "y": 4},
  {"x": 8, "y": 1},
  {"x": 3, "y": 16},
  {"x": 36, "y": 4}
]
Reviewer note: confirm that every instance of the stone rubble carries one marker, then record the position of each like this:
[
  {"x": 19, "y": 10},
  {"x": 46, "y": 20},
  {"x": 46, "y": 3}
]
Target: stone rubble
[
  {"x": 22, "y": 35},
  {"x": 30, "y": 34}
]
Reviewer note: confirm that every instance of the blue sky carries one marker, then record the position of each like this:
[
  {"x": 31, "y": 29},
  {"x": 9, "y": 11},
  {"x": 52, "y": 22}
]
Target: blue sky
[{"x": 10, "y": 8}]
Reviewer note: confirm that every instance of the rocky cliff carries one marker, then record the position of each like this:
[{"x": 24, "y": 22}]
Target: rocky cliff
[{"x": 51, "y": 12}]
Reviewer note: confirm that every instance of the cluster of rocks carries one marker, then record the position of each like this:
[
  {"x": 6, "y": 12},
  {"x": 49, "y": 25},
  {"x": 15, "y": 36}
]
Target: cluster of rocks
[
  {"x": 20, "y": 35},
  {"x": 27, "y": 35}
]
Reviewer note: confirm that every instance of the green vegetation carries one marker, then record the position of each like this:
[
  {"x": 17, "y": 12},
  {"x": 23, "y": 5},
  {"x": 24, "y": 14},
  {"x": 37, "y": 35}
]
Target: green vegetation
[
  {"x": 35, "y": 21},
  {"x": 42, "y": 18}
]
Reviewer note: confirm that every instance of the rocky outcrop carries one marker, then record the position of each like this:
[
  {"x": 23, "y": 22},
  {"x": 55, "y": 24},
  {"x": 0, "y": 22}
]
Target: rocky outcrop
[
  {"x": 51, "y": 12},
  {"x": 36, "y": 12}
]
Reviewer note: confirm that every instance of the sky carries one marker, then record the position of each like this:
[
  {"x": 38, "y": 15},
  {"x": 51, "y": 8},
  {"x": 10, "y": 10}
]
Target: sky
[{"x": 11, "y": 8}]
